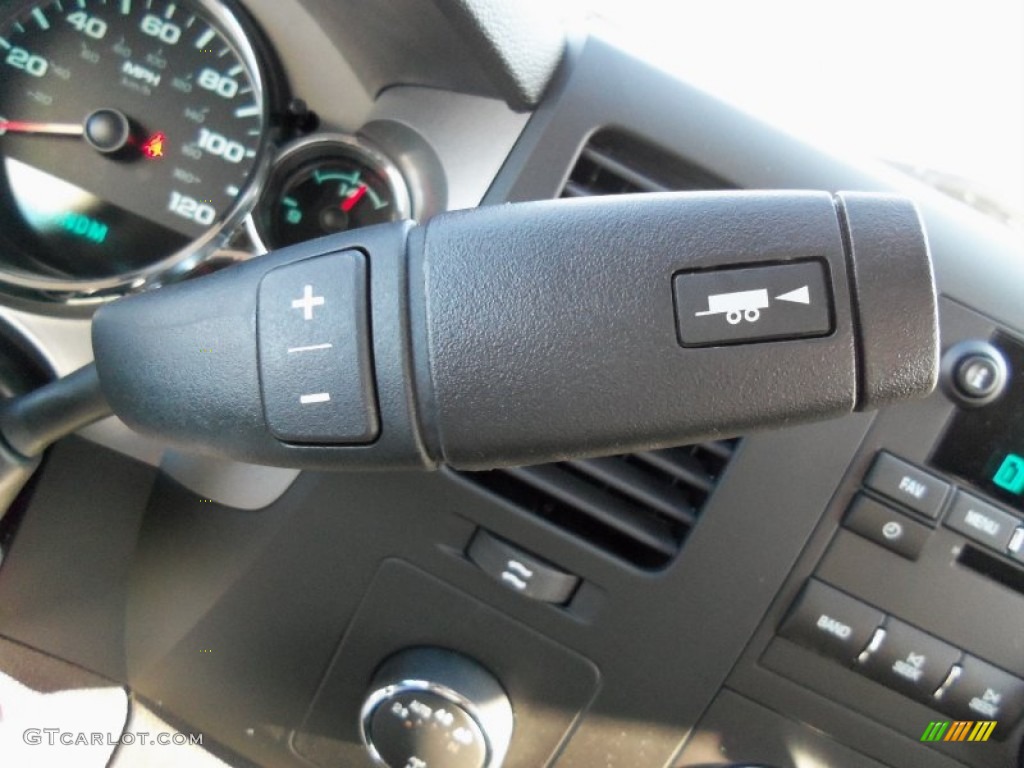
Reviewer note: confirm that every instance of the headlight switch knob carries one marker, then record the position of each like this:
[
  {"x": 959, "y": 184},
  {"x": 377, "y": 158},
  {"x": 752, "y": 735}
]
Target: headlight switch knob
[{"x": 433, "y": 708}]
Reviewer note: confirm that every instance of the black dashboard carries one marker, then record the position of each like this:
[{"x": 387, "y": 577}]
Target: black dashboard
[{"x": 844, "y": 593}]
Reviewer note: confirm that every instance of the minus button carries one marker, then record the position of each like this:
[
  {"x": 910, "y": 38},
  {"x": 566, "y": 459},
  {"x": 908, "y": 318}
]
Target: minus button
[{"x": 319, "y": 397}]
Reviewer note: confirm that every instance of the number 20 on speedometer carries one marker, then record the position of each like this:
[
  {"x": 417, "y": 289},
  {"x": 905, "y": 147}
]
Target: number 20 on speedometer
[{"x": 132, "y": 134}]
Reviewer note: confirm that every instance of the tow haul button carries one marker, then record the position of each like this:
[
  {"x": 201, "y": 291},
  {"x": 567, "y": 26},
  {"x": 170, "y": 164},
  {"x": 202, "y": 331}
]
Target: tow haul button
[{"x": 736, "y": 306}]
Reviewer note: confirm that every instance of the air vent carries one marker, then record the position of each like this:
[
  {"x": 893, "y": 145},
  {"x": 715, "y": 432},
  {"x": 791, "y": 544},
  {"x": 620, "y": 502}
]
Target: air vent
[
  {"x": 639, "y": 507},
  {"x": 615, "y": 163}
]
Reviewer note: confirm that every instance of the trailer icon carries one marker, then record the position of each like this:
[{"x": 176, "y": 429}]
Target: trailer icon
[{"x": 737, "y": 306}]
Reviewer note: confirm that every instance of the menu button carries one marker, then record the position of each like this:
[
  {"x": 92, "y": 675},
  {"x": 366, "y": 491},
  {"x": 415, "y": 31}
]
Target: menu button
[{"x": 980, "y": 521}]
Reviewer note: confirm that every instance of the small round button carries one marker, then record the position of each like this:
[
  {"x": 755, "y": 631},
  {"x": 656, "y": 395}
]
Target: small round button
[
  {"x": 974, "y": 373},
  {"x": 977, "y": 376}
]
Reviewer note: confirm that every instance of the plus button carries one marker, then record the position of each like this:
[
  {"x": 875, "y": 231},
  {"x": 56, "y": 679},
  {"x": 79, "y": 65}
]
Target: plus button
[{"x": 307, "y": 302}]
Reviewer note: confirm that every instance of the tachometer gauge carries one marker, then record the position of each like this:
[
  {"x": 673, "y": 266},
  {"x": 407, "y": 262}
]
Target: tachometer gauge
[
  {"x": 133, "y": 134},
  {"x": 329, "y": 183}
]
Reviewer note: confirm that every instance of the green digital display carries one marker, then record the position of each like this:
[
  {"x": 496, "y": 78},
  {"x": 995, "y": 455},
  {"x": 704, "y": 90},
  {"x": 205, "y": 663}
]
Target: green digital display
[
  {"x": 83, "y": 226},
  {"x": 985, "y": 446},
  {"x": 1010, "y": 475},
  {"x": 71, "y": 230}
]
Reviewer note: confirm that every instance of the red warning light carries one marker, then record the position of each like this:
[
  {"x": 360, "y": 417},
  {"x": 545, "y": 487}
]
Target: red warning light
[{"x": 154, "y": 146}]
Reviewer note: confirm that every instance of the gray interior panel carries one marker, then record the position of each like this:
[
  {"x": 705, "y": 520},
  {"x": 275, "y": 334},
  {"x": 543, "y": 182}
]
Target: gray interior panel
[{"x": 255, "y": 604}]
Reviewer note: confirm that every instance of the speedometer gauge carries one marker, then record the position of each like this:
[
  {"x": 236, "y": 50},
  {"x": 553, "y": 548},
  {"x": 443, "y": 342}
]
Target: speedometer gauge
[{"x": 132, "y": 134}]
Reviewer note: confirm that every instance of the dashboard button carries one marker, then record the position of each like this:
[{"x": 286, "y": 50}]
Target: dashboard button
[
  {"x": 887, "y": 527},
  {"x": 974, "y": 373},
  {"x": 977, "y": 376},
  {"x": 730, "y": 306},
  {"x": 982, "y": 522},
  {"x": 1016, "y": 545},
  {"x": 908, "y": 485},
  {"x": 831, "y": 622},
  {"x": 983, "y": 692},
  {"x": 520, "y": 571},
  {"x": 314, "y": 351},
  {"x": 910, "y": 661}
]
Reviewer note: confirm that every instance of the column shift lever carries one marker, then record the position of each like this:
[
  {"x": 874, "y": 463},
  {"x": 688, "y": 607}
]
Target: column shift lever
[{"x": 534, "y": 332}]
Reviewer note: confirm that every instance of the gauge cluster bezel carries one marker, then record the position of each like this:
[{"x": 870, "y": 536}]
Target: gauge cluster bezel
[
  {"x": 253, "y": 49},
  {"x": 325, "y": 146}
]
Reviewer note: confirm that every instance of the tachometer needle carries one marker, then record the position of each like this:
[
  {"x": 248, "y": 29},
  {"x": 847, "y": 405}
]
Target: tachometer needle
[
  {"x": 54, "y": 129},
  {"x": 350, "y": 202}
]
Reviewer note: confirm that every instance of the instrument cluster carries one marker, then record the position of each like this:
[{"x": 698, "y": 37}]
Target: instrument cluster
[{"x": 143, "y": 141}]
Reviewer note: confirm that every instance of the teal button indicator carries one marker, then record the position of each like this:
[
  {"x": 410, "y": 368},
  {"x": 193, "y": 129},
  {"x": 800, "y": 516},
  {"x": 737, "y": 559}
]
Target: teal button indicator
[{"x": 1010, "y": 475}]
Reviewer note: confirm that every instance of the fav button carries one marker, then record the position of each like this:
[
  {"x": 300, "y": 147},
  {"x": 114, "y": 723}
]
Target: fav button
[
  {"x": 910, "y": 661},
  {"x": 831, "y": 622},
  {"x": 908, "y": 485}
]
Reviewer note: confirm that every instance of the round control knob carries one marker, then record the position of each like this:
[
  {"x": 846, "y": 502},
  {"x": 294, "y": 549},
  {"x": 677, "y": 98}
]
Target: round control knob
[
  {"x": 974, "y": 373},
  {"x": 434, "y": 708}
]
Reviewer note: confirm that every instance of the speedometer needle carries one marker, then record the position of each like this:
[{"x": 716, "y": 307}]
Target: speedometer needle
[
  {"x": 55, "y": 129},
  {"x": 106, "y": 130},
  {"x": 350, "y": 202}
]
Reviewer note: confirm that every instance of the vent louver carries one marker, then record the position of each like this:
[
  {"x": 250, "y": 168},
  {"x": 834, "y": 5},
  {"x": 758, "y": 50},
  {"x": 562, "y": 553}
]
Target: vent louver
[
  {"x": 614, "y": 163},
  {"x": 639, "y": 507}
]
